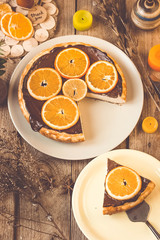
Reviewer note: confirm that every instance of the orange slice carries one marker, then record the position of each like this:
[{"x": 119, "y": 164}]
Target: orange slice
[
  {"x": 60, "y": 112},
  {"x": 75, "y": 88},
  {"x": 150, "y": 125},
  {"x": 4, "y": 23},
  {"x": 101, "y": 77},
  {"x": 44, "y": 83},
  {"x": 4, "y": 8},
  {"x": 122, "y": 183},
  {"x": 72, "y": 63},
  {"x": 20, "y": 27}
]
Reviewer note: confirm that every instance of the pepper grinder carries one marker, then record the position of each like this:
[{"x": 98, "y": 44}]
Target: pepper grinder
[{"x": 146, "y": 14}]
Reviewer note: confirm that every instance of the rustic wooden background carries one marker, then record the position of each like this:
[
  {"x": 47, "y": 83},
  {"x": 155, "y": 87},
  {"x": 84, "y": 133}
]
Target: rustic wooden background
[{"x": 16, "y": 223}]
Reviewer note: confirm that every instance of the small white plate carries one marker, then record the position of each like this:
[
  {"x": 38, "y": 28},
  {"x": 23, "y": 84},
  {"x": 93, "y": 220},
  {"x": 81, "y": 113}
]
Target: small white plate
[
  {"x": 105, "y": 125},
  {"x": 88, "y": 193}
]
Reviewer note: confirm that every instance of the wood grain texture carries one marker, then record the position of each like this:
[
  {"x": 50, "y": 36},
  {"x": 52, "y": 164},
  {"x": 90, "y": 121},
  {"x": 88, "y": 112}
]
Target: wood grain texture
[
  {"x": 148, "y": 143},
  {"x": 7, "y": 218},
  {"x": 33, "y": 221},
  {"x": 66, "y": 11},
  {"x": 58, "y": 202}
]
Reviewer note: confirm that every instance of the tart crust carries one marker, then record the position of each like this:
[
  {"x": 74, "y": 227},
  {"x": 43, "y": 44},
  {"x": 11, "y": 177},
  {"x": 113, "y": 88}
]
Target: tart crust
[
  {"x": 51, "y": 133},
  {"x": 128, "y": 205}
]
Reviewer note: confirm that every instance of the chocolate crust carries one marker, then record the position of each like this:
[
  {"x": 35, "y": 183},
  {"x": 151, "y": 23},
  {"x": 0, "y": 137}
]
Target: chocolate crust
[
  {"x": 128, "y": 205},
  {"x": 53, "y": 134}
]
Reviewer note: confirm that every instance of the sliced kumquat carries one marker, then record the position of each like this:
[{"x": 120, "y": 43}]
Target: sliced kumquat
[{"x": 122, "y": 183}]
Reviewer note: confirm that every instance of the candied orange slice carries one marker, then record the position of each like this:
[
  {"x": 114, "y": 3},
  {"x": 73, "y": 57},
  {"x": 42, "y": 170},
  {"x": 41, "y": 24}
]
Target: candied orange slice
[
  {"x": 20, "y": 27},
  {"x": 4, "y": 8},
  {"x": 75, "y": 88},
  {"x": 44, "y": 83},
  {"x": 4, "y": 23},
  {"x": 60, "y": 112},
  {"x": 122, "y": 183},
  {"x": 101, "y": 77},
  {"x": 72, "y": 63}
]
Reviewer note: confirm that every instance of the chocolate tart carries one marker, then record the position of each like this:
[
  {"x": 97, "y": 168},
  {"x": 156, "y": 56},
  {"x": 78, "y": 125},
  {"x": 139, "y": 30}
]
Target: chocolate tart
[
  {"x": 31, "y": 108},
  {"x": 111, "y": 205}
]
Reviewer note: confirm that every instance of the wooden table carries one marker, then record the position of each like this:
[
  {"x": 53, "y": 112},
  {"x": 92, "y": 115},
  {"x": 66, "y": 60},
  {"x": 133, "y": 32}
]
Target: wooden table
[{"x": 22, "y": 220}]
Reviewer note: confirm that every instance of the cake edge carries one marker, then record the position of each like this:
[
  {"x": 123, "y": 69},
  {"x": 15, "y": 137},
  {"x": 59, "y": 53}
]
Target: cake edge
[{"x": 126, "y": 206}]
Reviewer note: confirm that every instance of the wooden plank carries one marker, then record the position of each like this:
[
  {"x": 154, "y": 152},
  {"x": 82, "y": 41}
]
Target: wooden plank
[
  {"x": 56, "y": 203},
  {"x": 56, "y": 206},
  {"x": 34, "y": 222},
  {"x": 139, "y": 140},
  {"x": 7, "y": 218},
  {"x": 8, "y": 152},
  {"x": 66, "y": 11},
  {"x": 144, "y": 40}
]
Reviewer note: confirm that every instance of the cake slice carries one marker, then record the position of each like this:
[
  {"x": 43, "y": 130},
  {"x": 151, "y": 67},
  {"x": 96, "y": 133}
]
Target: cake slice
[{"x": 124, "y": 188}]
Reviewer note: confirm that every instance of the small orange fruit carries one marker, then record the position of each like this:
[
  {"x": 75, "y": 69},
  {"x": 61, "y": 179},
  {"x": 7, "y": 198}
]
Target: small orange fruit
[
  {"x": 20, "y": 27},
  {"x": 60, "y": 112},
  {"x": 154, "y": 57},
  {"x": 101, "y": 77},
  {"x": 4, "y": 8},
  {"x": 75, "y": 88},
  {"x": 122, "y": 183},
  {"x": 150, "y": 125},
  {"x": 4, "y": 23},
  {"x": 44, "y": 83},
  {"x": 72, "y": 63}
]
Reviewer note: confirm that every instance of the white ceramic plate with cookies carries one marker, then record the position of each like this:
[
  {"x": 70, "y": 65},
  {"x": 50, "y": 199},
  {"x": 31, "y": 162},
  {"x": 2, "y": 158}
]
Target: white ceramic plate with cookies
[
  {"x": 105, "y": 125},
  {"x": 88, "y": 195}
]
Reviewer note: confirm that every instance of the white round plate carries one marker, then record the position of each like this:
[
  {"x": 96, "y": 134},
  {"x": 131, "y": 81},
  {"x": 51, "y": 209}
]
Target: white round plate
[
  {"x": 88, "y": 193},
  {"x": 105, "y": 125}
]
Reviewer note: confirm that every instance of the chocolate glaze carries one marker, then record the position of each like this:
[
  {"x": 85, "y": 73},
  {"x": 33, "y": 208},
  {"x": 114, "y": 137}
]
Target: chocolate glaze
[
  {"x": 109, "y": 201},
  {"x": 34, "y": 106}
]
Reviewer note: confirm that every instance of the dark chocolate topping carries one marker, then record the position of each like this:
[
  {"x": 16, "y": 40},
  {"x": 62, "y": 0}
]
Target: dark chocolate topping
[
  {"x": 109, "y": 201},
  {"x": 34, "y": 106}
]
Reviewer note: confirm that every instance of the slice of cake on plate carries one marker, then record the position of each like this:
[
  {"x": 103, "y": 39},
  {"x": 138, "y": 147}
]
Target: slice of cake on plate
[{"x": 124, "y": 188}]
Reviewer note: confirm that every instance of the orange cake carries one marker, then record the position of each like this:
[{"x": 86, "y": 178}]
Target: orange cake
[
  {"x": 100, "y": 72},
  {"x": 124, "y": 188}
]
